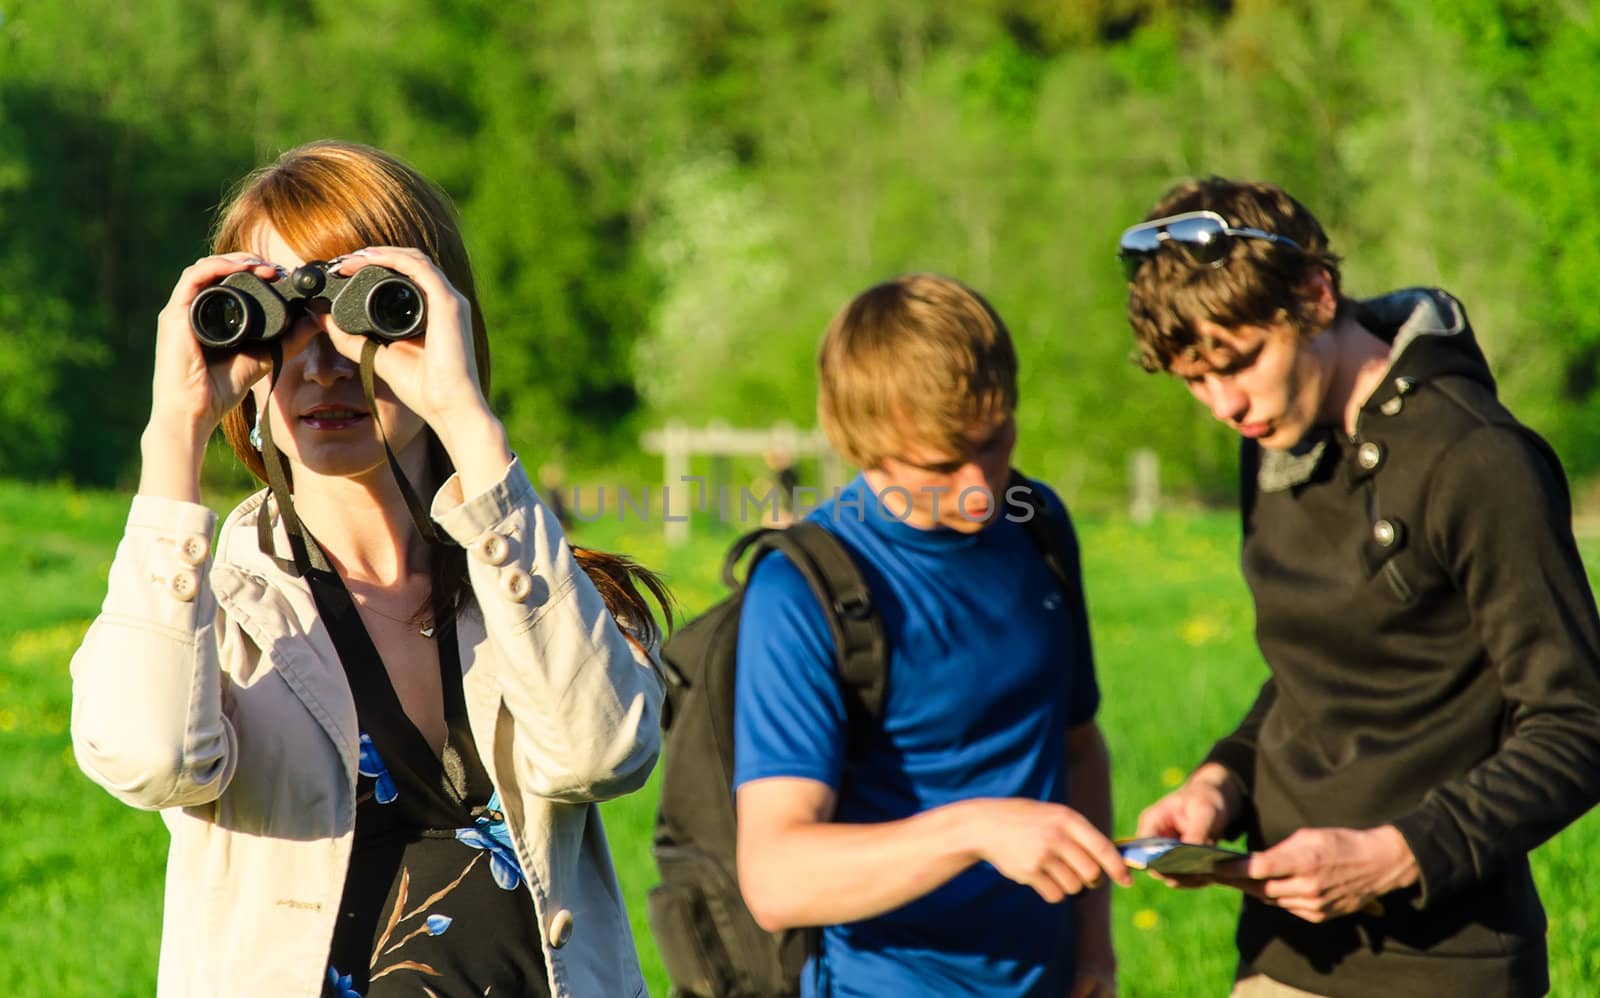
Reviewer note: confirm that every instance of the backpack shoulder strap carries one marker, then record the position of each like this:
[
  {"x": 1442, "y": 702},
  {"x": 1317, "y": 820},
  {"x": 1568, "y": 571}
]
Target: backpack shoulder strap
[
  {"x": 1048, "y": 533},
  {"x": 837, "y": 583},
  {"x": 1059, "y": 549}
]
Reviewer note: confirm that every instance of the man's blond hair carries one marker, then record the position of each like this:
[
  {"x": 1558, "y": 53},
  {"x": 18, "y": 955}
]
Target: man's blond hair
[{"x": 913, "y": 361}]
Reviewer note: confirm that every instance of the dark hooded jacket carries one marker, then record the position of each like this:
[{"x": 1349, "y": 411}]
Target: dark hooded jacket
[{"x": 1435, "y": 660}]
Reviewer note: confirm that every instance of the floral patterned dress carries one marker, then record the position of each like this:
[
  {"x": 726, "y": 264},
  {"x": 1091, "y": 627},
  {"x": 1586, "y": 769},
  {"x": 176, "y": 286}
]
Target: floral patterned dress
[{"x": 434, "y": 903}]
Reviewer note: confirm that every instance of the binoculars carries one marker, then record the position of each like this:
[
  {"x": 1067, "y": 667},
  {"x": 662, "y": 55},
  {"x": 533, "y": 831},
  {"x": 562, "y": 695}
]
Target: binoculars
[{"x": 242, "y": 309}]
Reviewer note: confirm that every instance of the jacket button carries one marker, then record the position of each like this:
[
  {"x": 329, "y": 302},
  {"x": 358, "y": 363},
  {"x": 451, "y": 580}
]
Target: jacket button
[
  {"x": 1384, "y": 533},
  {"x": 1405, "y": 385},
  {"x": 516, "y": 585},
  {"x": 1369, "y": 455},
  {"x": 493, "y": 549},
  {"x": 193, "y": 550},
  {"x": 1393, "y": 406},
  {"x": 184, "y": 585},
  {"x": 560, "y": 928}
]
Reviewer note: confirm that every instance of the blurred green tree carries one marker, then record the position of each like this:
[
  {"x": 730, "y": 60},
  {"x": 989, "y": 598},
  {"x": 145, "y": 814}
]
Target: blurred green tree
[{"x": 667, "y": 199}]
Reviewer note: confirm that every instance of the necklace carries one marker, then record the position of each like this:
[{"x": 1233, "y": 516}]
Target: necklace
[{"x": 426, "y": 630}]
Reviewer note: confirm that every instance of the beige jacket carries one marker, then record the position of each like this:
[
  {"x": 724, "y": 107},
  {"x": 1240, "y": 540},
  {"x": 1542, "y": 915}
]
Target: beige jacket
[{"x": 217, "y": 697}]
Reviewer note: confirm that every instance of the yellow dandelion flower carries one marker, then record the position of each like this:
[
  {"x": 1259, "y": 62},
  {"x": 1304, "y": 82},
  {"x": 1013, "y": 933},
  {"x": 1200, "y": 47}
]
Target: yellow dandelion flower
[
  {"x": 1146, "y": 919},
  {"x": 1200, "y": 629}
]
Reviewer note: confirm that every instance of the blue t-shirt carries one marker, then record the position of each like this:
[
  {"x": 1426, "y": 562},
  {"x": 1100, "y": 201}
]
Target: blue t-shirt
[{"x": 985, "y": 677}]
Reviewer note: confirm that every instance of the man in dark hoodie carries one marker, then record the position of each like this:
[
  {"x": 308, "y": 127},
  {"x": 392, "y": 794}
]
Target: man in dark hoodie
[{"x": 1433, "y": 711}]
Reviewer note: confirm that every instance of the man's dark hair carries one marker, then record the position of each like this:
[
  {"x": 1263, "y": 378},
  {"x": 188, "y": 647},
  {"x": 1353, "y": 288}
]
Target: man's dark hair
[{"x": 1259, "y": 283}]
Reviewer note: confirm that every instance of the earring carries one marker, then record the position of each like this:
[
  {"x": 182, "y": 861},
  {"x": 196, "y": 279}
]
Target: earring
[{"x": 255, "y": 433}]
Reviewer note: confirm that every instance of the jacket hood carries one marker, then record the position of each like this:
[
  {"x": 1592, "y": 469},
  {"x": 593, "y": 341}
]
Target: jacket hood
[{"x": 1429, "y": 336}]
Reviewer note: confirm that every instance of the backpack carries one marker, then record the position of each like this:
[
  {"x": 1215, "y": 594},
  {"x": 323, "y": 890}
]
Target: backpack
[{"x": 709, "y": 942}]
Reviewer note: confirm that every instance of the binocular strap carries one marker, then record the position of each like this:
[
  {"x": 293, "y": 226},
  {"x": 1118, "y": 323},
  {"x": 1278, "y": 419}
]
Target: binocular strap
[
  {"x": 419, "y": 515},
  {"x": 278, "y": 475},
  {"x": 278, "y": 478}
]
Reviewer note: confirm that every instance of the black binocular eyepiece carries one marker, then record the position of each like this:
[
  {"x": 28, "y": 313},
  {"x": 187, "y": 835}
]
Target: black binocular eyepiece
[{"x": 242, "y": 309}]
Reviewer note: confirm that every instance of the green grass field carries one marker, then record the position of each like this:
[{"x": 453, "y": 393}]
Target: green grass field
[{"x": 80, "y": 875}]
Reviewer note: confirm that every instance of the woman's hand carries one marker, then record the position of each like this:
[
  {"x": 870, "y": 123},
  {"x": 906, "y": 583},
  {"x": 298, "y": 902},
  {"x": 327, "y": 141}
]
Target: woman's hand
[
  {"x": 191, "y": 390},
  {"x": 435, "y": 375}
]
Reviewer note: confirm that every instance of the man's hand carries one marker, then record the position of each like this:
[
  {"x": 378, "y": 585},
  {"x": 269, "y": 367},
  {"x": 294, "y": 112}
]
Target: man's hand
[
  {"x": 1199, "y": 810},
  {"x": 1097, "y": 962},
  {"x": 1088, "y": 763},
  {"x": 1323, "y": 873},
  {"x": 1094, "y": 984},
  {"x": 1048, "y": 847},
  {"x": 798, "y": 867}
]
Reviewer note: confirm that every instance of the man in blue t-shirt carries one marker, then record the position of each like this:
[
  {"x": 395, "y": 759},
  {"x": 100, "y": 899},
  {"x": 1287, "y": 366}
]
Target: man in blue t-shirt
[{"x": 941, "y": 851}]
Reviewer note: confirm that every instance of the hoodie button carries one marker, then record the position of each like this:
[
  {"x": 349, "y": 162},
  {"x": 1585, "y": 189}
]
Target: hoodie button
[
  {"x": 1384, "y": 533},
  {"x": 1369, "y": 455},
  {"x": 560, "y": 928}
]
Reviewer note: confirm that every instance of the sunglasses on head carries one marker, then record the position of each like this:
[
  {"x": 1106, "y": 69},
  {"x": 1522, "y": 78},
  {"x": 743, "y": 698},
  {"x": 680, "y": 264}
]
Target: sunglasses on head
[{"x": 1204, "y": 236}]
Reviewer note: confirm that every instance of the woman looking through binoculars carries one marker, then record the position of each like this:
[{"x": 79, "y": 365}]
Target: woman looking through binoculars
[{"x": 377, "y": 749}]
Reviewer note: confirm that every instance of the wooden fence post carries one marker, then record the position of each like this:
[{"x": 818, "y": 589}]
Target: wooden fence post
[{"x": 1144, "y": 476}]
